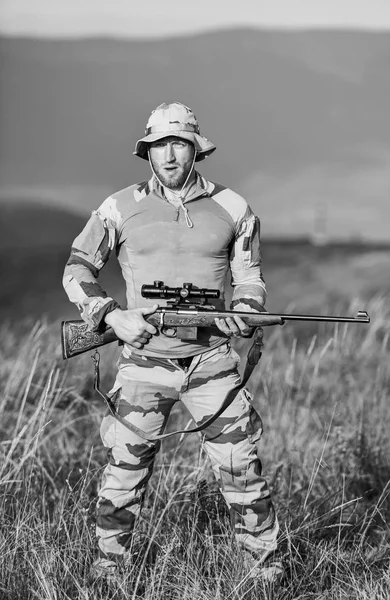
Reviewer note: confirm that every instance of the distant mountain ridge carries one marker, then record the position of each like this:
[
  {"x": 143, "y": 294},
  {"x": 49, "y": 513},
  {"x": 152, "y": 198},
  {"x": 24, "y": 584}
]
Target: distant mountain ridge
[{"x": 299, "y": 118}]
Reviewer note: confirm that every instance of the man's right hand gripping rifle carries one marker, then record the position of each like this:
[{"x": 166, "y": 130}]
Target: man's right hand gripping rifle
[{"x": 130, "y": 326}]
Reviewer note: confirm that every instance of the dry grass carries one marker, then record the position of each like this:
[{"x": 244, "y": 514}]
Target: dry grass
[{"x": 324, "y": 399}]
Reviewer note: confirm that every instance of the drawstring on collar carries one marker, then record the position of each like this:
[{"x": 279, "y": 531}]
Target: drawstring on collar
[
  {"x": 186, "y": 215},
  {"x": 180, "y": 196}
]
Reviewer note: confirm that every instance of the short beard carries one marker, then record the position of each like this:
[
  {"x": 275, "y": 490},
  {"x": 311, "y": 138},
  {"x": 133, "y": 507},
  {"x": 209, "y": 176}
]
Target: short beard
[{"x": 173, "y": 183}]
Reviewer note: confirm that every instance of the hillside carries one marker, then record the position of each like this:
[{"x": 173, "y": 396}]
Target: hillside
[{"x": 299, "y": 118}]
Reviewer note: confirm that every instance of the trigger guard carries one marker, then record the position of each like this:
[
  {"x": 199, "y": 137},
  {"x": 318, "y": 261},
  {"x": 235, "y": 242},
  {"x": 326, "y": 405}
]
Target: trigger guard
[{"x": 170, "y": 332}]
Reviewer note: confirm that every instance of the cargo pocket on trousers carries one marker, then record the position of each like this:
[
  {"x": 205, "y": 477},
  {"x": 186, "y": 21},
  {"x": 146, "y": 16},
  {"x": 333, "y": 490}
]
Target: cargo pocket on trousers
[{"x": 254, "y": 427}]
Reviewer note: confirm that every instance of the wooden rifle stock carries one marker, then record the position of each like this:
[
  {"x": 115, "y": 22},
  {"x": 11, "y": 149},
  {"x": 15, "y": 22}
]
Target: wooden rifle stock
[{"x": 77, "y": 337}]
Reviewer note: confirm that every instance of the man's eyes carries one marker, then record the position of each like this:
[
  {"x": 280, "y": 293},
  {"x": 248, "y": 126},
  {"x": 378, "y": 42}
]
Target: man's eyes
[{"x": 175, "y": 144}]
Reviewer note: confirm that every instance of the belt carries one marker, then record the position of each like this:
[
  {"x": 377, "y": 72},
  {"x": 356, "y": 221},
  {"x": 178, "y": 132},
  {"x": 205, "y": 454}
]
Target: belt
[{"x": 184, "y": 363}]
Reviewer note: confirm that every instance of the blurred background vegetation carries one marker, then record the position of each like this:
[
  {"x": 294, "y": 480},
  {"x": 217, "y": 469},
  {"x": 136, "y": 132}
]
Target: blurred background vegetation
[{"x": 300, "y": 120}]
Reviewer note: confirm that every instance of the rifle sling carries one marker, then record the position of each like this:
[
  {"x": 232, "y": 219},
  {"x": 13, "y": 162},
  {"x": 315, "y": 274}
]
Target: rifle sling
[{"x": 253, "y": 358}]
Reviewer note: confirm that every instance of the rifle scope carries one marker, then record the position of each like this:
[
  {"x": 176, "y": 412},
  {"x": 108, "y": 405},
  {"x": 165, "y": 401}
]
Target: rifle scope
[{"x": 187, "y": 291}]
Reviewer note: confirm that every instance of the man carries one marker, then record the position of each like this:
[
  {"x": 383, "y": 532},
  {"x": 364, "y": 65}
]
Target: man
[{"x": 176, "y": 227}]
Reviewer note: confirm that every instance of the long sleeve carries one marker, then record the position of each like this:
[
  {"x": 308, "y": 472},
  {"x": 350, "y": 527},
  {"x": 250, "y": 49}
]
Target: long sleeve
[
  {"x": 249, "y": 290},
  {"x": 90, "y": 251}
]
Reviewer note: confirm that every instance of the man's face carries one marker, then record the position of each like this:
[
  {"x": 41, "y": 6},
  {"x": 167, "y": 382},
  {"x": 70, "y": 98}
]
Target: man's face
[{"x": 172, "y": 160}]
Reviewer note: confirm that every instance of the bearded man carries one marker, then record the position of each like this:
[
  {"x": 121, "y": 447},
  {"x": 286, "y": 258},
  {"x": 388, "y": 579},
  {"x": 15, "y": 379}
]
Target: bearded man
[{"x": 176, "y": 227}]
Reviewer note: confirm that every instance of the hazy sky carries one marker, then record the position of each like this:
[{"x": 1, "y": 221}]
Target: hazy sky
[{"x": 143, "y": 18}]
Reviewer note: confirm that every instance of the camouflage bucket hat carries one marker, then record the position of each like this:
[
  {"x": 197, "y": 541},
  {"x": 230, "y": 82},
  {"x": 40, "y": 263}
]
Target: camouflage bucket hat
[{"x": 178, "y": 120}]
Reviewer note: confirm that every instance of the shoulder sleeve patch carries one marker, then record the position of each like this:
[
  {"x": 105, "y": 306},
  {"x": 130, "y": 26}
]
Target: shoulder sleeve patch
[{"x": 109, "y": 211}]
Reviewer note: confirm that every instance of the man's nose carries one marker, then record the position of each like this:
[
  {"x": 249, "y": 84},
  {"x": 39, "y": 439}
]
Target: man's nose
[{"x": 169, "y": 153}]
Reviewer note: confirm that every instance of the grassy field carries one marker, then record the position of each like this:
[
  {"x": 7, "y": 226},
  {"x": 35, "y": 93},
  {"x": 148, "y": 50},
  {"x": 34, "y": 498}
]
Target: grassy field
[{"x": 323, "y": 394}]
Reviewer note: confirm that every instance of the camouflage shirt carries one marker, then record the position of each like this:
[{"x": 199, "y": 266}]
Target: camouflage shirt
[{"x": 153, "y": 241}]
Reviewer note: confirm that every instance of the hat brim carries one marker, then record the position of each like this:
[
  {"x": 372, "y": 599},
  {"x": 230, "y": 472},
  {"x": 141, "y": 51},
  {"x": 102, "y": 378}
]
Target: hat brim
[{"x": 203, "y": 146}]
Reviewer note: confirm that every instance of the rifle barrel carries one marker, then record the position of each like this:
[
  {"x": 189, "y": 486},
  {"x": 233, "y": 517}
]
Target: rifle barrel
[{"x": 360, "y": 318}]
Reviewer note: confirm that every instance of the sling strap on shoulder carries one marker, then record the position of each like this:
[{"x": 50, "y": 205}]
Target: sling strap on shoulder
[{"x": 253, "y": 358}]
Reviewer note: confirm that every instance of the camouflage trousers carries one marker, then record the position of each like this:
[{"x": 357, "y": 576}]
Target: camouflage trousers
[{"x": 149, "y": 388}]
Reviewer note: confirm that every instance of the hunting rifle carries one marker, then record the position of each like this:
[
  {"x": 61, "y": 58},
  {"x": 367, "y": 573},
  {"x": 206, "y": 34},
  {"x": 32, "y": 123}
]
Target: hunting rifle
[{"x": 186, "y": 310}]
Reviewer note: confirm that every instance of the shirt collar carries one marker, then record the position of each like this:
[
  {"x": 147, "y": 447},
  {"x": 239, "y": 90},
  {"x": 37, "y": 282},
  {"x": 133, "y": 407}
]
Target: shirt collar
[{"x": 199, "y": 187}]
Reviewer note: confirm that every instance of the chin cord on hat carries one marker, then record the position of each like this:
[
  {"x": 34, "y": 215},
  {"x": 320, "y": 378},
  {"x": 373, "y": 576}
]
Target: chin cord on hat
[{"x": 179, "y": 195}]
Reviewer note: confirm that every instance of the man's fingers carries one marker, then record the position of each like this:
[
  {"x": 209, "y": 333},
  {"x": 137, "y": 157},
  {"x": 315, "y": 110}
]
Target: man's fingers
[
  {"x": 136, "y": 344},
  {"x": 241, "y": 323},
  {"x": 148, "y": 310},
  {"x": 245, "y": 330},
  {"x": 143, "y": 336},
  {"x": 141, "y": 340},
  {"x": 227, "y": 327},
  {"x": 241, "y": 328},
  {"x": 234, "y": 328},
  {"x": 220, "y": 323}
]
